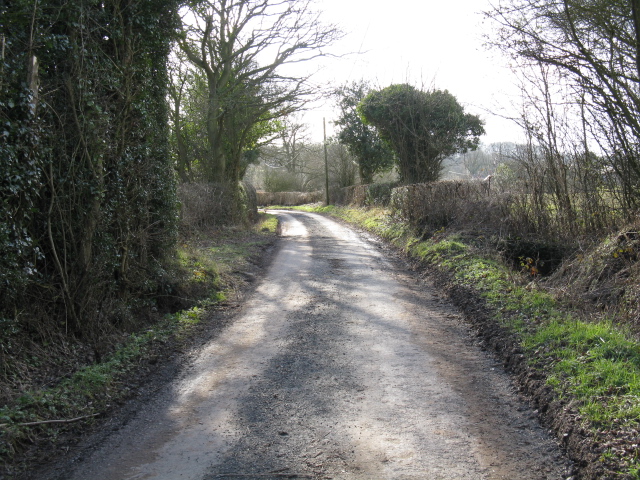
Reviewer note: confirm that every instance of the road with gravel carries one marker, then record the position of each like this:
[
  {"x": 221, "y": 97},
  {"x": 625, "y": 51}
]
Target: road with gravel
[{"x": 342, "y": 364}]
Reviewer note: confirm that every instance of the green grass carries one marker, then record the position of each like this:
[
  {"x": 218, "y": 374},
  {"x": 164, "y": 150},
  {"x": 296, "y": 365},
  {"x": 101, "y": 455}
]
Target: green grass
[
  {"x": 207, "y": 264},
  {"x": 375, "y": 220},
  {"x": 597, "y": 364},
  {"x": 268, "y": 224},
  {"x": 593, "y": 364}
]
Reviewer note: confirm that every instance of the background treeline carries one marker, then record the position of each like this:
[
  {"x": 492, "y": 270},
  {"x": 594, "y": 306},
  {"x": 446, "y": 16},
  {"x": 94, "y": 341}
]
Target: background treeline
[
  {"x": 87, "y": 191},
  {"x": 298, "y": 165},
  {"x": 573, "y": 177}
]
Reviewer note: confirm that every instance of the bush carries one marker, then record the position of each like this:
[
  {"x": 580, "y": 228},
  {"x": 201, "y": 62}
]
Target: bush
[
  {"x": 355, "y": 195},
  {"x": 432, "y": 206},
  {"x": 249, "y": 203},
  {"x": 378, "y": 194},
  {"x": 204, "y": 204}
]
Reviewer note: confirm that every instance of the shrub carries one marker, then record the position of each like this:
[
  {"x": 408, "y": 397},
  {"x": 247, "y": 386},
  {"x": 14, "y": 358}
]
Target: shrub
[
  {"x": 204, "y": 204},
  {"x": 431, "y": 206}
]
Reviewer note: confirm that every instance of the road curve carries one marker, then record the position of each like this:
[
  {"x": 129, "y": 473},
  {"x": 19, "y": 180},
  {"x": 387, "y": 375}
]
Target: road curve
[{"x": 339, "y": 366}]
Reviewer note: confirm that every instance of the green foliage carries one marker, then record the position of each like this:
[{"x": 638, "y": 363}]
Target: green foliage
[
  {"x": 423, "y": 128},
  {"x": 375, "y": 219},
  {"x": 88, "y": 193},
  {"x": 379, "y": 193},
  {"x": 268, "y": 224},
  {"x": 372, "y": 154},
  {"x": 21, "y": 165},
  {"x": 188, "y": 138},
  {"x": 597, "y": 364},
  {"x": 247, "y": 203}
]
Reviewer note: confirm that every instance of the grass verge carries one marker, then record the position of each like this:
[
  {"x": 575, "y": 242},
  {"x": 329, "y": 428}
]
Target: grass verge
[
  {"x": 592, "y": 365},
  {"x": 207, "y": 270}
]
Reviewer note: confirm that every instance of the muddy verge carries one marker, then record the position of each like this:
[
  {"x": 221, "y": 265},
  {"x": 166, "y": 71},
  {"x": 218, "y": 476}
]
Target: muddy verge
[{"x": 582, "y": 445}]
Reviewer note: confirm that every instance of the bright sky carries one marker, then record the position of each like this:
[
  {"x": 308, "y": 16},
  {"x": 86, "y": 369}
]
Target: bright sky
[{"x": 435, "y": 43}]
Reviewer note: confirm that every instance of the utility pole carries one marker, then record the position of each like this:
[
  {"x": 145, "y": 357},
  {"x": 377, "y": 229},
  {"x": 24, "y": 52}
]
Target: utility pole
[{"x": 326, "y": 161}]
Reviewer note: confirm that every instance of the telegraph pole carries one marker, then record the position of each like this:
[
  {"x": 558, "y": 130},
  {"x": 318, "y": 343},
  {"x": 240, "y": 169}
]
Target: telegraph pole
[{"x": 326, "y": 162}]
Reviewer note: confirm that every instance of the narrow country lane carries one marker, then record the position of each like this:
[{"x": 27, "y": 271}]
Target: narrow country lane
[{"x": 340, "y": 366}]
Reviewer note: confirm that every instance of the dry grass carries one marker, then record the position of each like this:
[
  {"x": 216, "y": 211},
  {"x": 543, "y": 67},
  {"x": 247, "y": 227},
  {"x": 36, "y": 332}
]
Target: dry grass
[{"x": 604, "y": 280}]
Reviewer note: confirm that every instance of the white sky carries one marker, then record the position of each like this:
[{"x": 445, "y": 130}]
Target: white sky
[{"x": 435, "y": 43}]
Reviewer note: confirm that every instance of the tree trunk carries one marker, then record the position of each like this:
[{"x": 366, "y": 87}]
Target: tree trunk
[
  {"x": 215, "y": 169},
  {"x": 635, "y": 12},
  {"x": 366, "y": 176},
  {"x": 183, "y": 166}
]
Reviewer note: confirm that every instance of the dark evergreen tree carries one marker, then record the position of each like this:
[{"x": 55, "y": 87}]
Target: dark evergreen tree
[{"x": 362, "y": 140}]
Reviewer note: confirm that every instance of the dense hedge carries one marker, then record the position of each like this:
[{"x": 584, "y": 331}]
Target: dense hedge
[
  {"x": 87, "y": 194},
  {"x": 288, "y": 198},
  {"x": 378, "y": 194},
  {"x": 431, "y": 206}
]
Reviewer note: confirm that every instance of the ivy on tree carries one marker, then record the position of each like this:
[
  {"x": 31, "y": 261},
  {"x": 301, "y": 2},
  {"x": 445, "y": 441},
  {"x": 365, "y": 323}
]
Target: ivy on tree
[
  {"x": 87, "y": 197},
  {"x": 422, "y": 127}
]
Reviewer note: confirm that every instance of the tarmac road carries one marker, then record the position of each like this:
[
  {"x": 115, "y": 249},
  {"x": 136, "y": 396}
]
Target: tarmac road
[{"x": 341, "y": 365}]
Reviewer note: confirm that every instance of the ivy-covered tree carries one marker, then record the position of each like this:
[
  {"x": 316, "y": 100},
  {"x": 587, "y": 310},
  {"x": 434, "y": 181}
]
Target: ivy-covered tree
[
  {"x": 362, "y": 140},
  {"x": 188, "y": 96},
  {"x": 88, "y": 203},
  {"x": 422, "y": 127}
]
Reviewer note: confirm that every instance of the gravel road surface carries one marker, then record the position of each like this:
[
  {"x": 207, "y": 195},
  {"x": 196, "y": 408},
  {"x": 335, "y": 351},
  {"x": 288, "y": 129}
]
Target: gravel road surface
[{"x": 340, "y": 365}]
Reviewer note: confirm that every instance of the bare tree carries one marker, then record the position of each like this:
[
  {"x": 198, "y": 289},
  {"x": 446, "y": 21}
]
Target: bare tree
[
  {"x": 593, "y": 45},
  {"x": 294, "y": 139},
  {"x": 343, "y": 167},
  {"x": 244, "y": 48}
]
